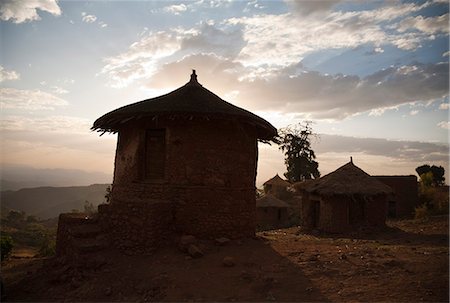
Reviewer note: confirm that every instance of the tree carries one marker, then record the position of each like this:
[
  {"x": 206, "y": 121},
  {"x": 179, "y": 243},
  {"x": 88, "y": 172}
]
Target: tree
[
  {"x": 295, "y": 142},
  {"x": 6, "y": 246},
  {"x": 437, "y": 173}
]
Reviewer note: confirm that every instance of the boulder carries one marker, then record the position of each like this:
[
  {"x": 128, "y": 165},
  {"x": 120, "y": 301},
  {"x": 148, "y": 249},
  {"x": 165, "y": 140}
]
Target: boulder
[
  {"x": 194, "y": 251},
  {"x": 228, "y": 262}
]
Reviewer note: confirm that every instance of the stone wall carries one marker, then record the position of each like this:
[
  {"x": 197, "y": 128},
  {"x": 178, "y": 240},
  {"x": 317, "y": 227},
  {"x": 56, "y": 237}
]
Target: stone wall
[
  {"x": 135, "y": 227},
  {"x": 208, "y": 189}
]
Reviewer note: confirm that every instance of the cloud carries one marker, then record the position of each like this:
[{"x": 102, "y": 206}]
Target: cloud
[
  {"x": 12, "y": 98},
  {"x": 175, "y": 9},
  {"x": 444, "y": 106},
  {"x": 285, "y": 39},
  {"x": 88, "y": 18},
  {"x": 6, "y": 75},
  {"x": 413, "y": 112},
  {"x": 25, "y": 11},
  {"x": 306, "y": 7},
  {"x": 311, "y": 94},
  {"x": 57, "y": 124},
  {"x": 430, "y": 25},
  {"x": 444, "y": 124},
  {"x": 143, "y": 57}
]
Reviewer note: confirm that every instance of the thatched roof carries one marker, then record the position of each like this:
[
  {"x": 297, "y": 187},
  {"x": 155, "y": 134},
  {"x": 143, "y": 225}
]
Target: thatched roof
[
  {"x": 270, "y": 201},
  {"x": 277, "y": 181},
  {"x": 346, "y": 180},
  {"x": 190, "y": 100}
]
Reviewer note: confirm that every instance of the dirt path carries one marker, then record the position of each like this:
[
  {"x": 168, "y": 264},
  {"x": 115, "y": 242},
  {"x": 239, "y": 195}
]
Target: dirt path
[{"x": 408, "y": 262}]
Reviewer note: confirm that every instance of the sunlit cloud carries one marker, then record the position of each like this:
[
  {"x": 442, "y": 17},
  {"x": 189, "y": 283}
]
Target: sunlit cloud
[
  {"x": 11, "y": 98},
  {"x": 175, "y": 9},
  {"x": 25, "y": 11},
  {"x": 6, "y": 75},
  {"x": 88, "y": 18},
  {"x": 444, "y": 124}
]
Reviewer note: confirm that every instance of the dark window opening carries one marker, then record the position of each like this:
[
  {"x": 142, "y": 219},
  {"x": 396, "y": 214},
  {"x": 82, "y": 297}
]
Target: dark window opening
[
  {"x": 155, "y": 153},
  {"x": 279, "y": 214}
]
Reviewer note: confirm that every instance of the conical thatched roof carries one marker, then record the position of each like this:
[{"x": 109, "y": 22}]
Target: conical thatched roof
[
  {"x": 346, "y": 180},
  {"x": 270, "y": 201},
  {"x": 190, "y": 100},
  {"x": 277, "y": 181}
]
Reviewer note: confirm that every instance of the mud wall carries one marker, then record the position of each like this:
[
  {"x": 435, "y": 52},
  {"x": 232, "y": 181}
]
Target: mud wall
[
  {"x": 405, "y": 193},
  {"x": 208, "y": 189}
]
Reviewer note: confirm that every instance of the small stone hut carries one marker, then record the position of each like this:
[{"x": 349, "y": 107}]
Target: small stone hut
[
  {"x": 271, "y": 213},
  {"x": 405, "y": 197},
  {"x": 185, "y": 164},
  {"x": 345, "y": 200},
  {"x": 276, "y": 186}
]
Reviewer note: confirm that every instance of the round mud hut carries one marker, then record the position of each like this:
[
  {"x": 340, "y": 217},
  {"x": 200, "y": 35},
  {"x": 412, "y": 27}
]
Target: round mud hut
[
  {"x": 345, "y": 200},
  {"x": 185, "y": 164}
]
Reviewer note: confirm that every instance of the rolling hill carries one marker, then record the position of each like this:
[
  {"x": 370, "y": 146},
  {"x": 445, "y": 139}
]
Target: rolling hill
[{"x": 49, "y": 202}]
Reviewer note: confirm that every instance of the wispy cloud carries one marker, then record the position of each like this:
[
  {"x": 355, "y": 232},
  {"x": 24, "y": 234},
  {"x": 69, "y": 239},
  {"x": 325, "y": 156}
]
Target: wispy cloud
[
  {"x": 25, "y": 11},
  {"x": 444, "y": 124},
  {"x": 11, "y": 98},
  {"x": 6, "y": 75},
  {"x": 175, "y": 9},
  {"x": 88, "y": 18}
]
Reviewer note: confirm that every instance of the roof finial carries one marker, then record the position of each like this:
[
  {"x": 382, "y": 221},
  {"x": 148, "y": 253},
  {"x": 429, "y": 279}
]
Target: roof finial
[
  {"x": 351, "y": 159},
  {"x": 193, "y": 77}
]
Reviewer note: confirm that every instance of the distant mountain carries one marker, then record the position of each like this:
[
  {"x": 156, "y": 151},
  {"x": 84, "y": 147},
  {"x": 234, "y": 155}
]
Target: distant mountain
[
  {"x": 14, "y": 177},
  {"x": 49, "y": 202}
]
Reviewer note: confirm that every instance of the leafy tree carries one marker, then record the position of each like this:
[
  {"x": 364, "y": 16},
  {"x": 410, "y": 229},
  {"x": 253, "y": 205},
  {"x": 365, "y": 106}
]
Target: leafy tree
[
  {"x": 295, "y": 142},
  {"x": 108, "y": 193},
  {"x": 437, "y": 173},
  {"x": 6, "y": 246}
]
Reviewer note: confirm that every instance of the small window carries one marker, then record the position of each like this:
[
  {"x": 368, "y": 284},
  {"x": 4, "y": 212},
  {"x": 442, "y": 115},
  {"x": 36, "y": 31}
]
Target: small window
[{"x": 155, "y": 153}]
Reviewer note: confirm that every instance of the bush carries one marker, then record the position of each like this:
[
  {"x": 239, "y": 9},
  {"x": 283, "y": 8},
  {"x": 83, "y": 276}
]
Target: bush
[
  {"x": 48, "y": 247},
  {"x": 6, "y": 246},
  {"x": 421, "y": 212}
]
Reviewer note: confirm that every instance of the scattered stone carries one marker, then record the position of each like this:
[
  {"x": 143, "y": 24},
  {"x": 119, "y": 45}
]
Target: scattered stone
[
  {"x": 314, "y": 258},
  {"x": 186, "y": 241},
  {"x": 270, "y": 296},
  {"x": 222, "y": 241},
  {"x": 343, "y": 257},
  {"x": 315, "y": 232},
  {"x": 188, "y": 258},
  {"x": 309, "y": 289},
  {"x": 245, "y": 275},
  {"x": 108, "y": 291},
  {"x": 228, "y": 262},
  {"x": 194, "y": 251}
]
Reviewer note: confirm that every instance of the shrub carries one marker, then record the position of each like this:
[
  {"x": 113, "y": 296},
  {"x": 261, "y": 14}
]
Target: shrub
[
  {"x": 421, "y": 212},
  {"x": 48, "y": 247},
  {"x": 6, "y": 246}
]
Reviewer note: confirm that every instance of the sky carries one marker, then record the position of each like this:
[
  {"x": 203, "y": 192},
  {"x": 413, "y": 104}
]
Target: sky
[{"x": 372, "y": 76}]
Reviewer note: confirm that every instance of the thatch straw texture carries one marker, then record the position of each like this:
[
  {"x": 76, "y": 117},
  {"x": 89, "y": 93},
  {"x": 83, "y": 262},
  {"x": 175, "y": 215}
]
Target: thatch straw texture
[
  {"x": 190, "y": 100},
  {"x": 270, "y": 201},
  {"x": 346, "y": 180},
  {"x": 277, "y": 181}
]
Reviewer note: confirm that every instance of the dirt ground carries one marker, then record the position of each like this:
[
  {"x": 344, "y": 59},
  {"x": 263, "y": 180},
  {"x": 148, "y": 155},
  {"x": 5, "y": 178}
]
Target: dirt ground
[{"x": 408, "y": 261}]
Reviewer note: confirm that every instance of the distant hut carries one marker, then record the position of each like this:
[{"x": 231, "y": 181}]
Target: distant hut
[
  {"x": 344, "y": 200},
  {"x": 276, "y": 186},
  {"x": 405, "y": 197},
  {"x": 186, "y": 163},
  {"x": 271, "y": 213}
]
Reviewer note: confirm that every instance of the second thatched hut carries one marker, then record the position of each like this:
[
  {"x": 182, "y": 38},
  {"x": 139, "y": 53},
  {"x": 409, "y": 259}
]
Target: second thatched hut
[{"x": 347, "y": 199}]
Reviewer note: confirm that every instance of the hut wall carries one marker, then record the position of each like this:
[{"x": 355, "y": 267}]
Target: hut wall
[
  {"x": 271, "y": 217},
  {"x": 208, "y": 189},
  {"x": 334, "y": 216},
  {"x": 405, "y": 196},
  {"x": 376, "y": 209}
]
